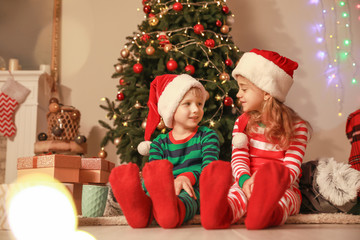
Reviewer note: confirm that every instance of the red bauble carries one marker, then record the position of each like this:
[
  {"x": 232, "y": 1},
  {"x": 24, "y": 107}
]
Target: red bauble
[
  {"x": 120, "y": 96},
  {"x": 228, "y": 62},
  {"x": 151, "y": 15},
  {"x": 144, "y": 1},
  {"x": 210, "y": 43},
  {"x": 138, "y": 67},
  {"x": 171, "y": 65},
  {"x": 228, "y": 101},
  {"x": 147, "y": 9},
  {"x": 198, "y": 28},
  {"x": 218, "y": 23},
  {"x": 190, "y": 69},
  {"x": 122, "y": 82},
  {"x": 145, "y": 37},
  {"x": 225, "y": 9},
  {"x": 177, "y": 6}
]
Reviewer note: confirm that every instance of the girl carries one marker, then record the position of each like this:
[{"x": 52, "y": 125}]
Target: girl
[{"x": 269, "y": 141}]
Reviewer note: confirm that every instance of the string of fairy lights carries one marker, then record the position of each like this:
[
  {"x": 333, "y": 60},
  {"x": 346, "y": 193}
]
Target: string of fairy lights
[{"x": 335, "y": 35}]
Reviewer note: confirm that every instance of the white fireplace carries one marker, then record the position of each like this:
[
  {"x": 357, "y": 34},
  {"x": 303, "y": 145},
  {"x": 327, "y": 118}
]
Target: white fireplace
[{"x": 30, "y": 119}]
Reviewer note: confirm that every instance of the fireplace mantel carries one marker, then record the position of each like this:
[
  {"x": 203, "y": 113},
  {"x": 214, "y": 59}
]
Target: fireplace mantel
[{"x": 30, "y": 119}]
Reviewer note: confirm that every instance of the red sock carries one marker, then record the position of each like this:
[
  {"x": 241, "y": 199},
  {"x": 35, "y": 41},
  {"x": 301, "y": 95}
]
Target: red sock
[
  {"x": 133, "y": 201},
  {"x": 215, "y": 182},
  {"x": 271, "y": 182},
  {"x": 168, "y": 209}
]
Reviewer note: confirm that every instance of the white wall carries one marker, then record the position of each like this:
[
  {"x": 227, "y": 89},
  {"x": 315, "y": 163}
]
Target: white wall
[{"x": 94, "y": 32}]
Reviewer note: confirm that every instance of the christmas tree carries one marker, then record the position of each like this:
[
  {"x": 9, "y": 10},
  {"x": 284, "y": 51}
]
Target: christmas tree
[{"x": 182, "y": 36}]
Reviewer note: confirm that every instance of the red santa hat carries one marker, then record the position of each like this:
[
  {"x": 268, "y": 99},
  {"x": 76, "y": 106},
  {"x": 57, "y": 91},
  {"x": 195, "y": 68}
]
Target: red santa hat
[
  {"x": 267, "y": 70},
  {"x": 166, "y": 92}
]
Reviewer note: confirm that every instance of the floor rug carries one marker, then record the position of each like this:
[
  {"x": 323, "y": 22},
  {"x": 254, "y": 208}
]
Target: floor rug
[{"x": 321, "y": 218}]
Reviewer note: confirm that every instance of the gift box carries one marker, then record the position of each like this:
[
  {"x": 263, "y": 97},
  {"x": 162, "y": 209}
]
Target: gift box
[
  {"x": 95, "y": 170},
  {"x": 76, "y": 191},
  {"x": 65, "y": 168}
]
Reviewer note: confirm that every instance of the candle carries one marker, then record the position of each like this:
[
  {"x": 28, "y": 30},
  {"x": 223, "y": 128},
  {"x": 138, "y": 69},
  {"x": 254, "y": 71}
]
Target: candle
[
  {"x": 45, "y": 68},
  {"x": 13, "y": 64}
]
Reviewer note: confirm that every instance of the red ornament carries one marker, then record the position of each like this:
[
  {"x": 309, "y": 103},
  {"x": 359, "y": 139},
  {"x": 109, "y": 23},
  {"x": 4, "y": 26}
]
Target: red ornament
[
  {"x": 145, "y": 37},
  {"x": 122, "y": 82},
  {"x": 190, "y": 69},
  {"x": 228, "y": 62},
  {"x": 151, "y": 15},
  {"x": 225, "y": 9},
  {"x": 171, "y": 65},
  {"x": 120, "y": 96},
  {"x": 147, "y": 9},
  {"x": 210, "y": 43},
  {"x": 228, "y": 101},
  {"x": 218, "y": 23},
  {"x": 198, "y": 28},
  {"x": 138, "y": 67},
  {"x": 177, "y": 6},
  {"x": 144, "y": 1}
]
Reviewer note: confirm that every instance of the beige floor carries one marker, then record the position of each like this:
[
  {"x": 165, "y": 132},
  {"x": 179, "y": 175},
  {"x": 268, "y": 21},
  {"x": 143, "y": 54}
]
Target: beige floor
[{"x": 238, "y": 232}]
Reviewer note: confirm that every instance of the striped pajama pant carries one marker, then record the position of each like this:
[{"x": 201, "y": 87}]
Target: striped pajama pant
[{"x": 290, "y": 202}]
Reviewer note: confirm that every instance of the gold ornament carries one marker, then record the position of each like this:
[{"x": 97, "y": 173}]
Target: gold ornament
[
  {"x": 54, "y": 107},
  {"x": 102, "y": 153},
  {"x": 119, "y": 68},
  {"x": 225, "y": 29},
  {"x": 125, "y": 53},
  {"x": 75, "y": 115},
  {"x": 117, "y": 141},
  {"x": 137, "y": 105},
  {"x": 224, "y": 77},
  {"x": 143, "y": 124},
  {"x": 167, "y": 47},
  {"x": 150, "y": 50},
  {"x": 161, "y": 125},
  {"x": 153, "y": 21}
]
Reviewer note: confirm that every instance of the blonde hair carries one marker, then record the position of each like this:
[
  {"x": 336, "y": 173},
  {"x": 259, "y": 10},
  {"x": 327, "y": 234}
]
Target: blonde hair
[
  {"x": 279, "y": 120},
  {"x": 198, "y": 93}
]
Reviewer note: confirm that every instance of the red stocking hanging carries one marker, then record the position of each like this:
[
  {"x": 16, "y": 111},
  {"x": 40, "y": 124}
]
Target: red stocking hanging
[{"x": 11, "y": 95}]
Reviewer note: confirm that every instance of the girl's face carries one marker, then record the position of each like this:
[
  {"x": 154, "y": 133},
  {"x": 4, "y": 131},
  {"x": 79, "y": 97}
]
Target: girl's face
[
  {"x": 190, "y": 111},
  {"x": 251, "y": 97}
]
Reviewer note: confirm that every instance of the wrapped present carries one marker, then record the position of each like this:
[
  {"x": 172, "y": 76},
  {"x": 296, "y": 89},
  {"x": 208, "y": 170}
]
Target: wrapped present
[
  {"x": 51, "y": 160},
  {"x": 76, "y": 191},
  {"x": 94, "y": 176},
  {"x": 95, "y": 170},
  {"x": 97, "y": 164},
  {"x": 65, "y": 168}
]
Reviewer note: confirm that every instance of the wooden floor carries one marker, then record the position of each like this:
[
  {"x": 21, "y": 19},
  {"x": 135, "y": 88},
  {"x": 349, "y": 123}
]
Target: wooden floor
[{"x": 237, "y": 232}]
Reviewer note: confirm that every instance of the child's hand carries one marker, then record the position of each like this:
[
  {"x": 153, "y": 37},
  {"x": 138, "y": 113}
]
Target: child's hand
[
  {"x": 182, "y": 182},
  {"x": 248, "y": 186}
]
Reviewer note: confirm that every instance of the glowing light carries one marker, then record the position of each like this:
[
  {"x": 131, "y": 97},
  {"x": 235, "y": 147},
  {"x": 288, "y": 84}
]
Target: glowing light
[
  {"x": 353, "y": 81},
  {"x": 319, "y": 40},
  {"x": 321, "y": 55},
  {"x": 331, "y": 36},
  {"x": 314, "y": 2},
  {"x": 347, "y": 42},
  {"x": 344, "y": 14},
  {"x": 339, "y": 99},
  {"x": 40, "y": 207},
  {"x": 339, "y": 114},
  {"x": 342, "y": 3},
  {"x": 102, "y": 99},
  {"x": 358, "y": 6},
  {"x": 324, "y": 11}
]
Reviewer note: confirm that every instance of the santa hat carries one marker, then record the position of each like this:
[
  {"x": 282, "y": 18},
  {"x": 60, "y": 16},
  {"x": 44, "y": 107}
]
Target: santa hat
[
  {"x": 268, "y": 71},
  {"x": 166, "y": 92}
]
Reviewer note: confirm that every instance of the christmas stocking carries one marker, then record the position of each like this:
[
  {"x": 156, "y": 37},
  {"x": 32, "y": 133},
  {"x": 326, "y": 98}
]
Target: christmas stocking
[{"x": 11, "y": 95}]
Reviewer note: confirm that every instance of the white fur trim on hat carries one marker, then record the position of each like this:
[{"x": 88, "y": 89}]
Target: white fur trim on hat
[
  {"x": 173, "y": 94},
  {"x": 144, "y": 148},
  {"x": 240, "y": 140},
  {"x": 265, "y": 74}
]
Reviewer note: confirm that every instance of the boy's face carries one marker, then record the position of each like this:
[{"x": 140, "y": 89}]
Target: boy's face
[
  {"x": 190, "y": 111},
  {"x": 251, "y": 97}
]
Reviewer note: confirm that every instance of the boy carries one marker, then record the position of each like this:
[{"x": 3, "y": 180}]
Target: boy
[{"x": 176, "y": 159}]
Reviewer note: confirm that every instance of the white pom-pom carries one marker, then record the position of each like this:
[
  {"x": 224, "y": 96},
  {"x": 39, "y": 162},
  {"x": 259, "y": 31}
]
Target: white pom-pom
[
  {"x": 144, "y": 148},
  {"x": 240, "y": 140}
]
